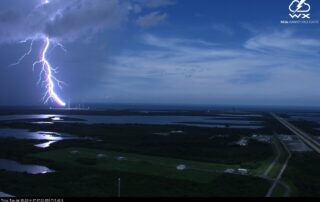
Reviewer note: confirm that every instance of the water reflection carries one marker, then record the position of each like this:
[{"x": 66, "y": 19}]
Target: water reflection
[
  {"x": 56, "y": 119},
  {"x": 49, "y": 137},
  {"x": 14, "y": 166},
  {"x": 43, "y": 122},
  {"x": 5, "y": 195},
  {"x": 45, "y": 145},
  {"x": 200, "y": 121},
  {"x": 223, "y": 126},
  {"x": 25, "y": 134}
]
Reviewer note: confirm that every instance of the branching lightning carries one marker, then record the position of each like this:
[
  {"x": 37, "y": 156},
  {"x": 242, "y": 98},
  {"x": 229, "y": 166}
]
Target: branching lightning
[
  {"x": 47, "y": 72},
  {"x": 47, "y": 76},
  {"x": 24, "y": 55}
]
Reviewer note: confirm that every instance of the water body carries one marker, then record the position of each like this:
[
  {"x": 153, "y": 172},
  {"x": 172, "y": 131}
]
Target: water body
[
  {"x": 32, "y": 116},
  {"x": 25, "y": 134},
  {"x": 48, "y": 137},
  {"x": 223, "y": 126},
  {"x": 14, "y": 166},
  {"x": 5, "y": 195},
  {"x": 204, "y": 121},
  {"x": 241, "y": 115},
  {"x": 45, "y": 145},
  {"x": 306, "y": 116}
]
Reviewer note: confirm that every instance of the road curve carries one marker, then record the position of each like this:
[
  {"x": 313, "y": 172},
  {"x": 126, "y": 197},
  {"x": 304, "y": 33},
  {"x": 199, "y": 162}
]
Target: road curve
[
  {"x": 271, "y": 166},
  {"x": 277, "y": 180}
]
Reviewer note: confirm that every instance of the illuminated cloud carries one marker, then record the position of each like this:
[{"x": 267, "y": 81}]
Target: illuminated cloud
[{"x": 69, "y": 20}]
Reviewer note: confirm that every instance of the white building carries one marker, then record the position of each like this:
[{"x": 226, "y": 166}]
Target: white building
[
  {"x": 229, "y": 170},
  {"x": 181, "y": 167},
  {"x": 243, "y": 171}
]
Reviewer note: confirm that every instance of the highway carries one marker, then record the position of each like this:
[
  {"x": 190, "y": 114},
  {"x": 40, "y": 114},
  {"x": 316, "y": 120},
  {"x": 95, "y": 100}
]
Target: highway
[{"x": 306, "y": 138}]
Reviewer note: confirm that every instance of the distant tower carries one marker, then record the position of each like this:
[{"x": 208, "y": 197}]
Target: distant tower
[{"x": 69, "y": 104}]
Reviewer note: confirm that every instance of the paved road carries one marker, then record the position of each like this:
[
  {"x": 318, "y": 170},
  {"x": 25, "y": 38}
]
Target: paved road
[
  {"x": 277, "y": 180},
  {"x": 309, "y": 140},
  {"x": 276, "y": 159}
]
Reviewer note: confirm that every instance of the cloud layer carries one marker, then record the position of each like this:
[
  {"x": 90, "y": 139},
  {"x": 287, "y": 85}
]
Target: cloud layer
[
  {"x": 263, "y": 70},
  {"x": 69, "y": 20},
  {"x": 151, "y": 19}
]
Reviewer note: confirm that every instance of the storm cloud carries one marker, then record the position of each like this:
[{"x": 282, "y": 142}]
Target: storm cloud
[{"x": 67, "y": 20}]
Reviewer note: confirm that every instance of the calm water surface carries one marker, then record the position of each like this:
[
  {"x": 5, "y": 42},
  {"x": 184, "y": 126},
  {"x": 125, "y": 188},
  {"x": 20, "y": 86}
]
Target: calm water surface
[
  {"x": 48, "y": 138},
  {"x": 200, "y": 121},
  {"x": 14, "y": 166}
]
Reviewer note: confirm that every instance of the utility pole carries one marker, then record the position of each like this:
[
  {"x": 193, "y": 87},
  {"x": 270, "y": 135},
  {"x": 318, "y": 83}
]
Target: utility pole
[{"x": 119, "y": 187}]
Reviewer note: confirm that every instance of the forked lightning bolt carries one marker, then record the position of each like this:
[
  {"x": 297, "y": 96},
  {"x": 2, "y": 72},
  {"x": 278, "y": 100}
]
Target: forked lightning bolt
[
  {"x": 24, "y": 55},
  {"x": 47, "y": 73}
]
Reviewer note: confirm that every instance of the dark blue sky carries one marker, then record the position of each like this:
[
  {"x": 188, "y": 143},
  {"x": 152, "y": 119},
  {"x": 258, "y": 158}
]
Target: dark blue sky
[{"x": 162, "y": 51}]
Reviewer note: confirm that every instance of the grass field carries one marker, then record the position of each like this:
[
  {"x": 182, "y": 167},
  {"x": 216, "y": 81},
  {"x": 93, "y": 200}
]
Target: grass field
[
  {"x": 283, "y": 155},
  {"x": 149, "y": 167},
  {"x": 83, "y": 174},
  {"x": 278, "y": 191},
  {"x": 133, "y": 163}
]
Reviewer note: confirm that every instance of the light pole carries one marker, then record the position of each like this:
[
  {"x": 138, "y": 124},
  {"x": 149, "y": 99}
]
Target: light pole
[{"x": 119, "y": 187}]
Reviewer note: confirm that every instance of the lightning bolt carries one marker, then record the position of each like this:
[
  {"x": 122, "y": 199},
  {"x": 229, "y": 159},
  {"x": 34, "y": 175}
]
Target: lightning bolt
[
  {"x": 300, "y": 5},
  {"x": 47, "y": 76},
  {"x": 24, "y": 55},
  {"x": 47, "y": 72}
]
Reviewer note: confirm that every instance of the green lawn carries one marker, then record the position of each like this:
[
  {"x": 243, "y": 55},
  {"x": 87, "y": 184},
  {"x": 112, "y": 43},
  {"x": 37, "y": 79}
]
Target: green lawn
[
  {"x": 141, "y": 175},
  {"x": 278, "y": 166},
  {"x": 278, "y": 191},
  {"x": 142, "y": 164}
]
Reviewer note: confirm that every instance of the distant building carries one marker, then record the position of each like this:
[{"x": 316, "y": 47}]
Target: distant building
[
  {"x": 75, "y": 152},
  {"x": 286, "y": 137},
  {"x": 243, "y": 171},
  {"x": 262, "y": 138},
  {"x": 100, "y": 156},
  {"x": 243, "y": 142},
  {"x": 229, "y": 170},
  {"x": 121, "y": 158},
  {"x": 181, "y": 167},
  {"x": 177, "y": 132}
]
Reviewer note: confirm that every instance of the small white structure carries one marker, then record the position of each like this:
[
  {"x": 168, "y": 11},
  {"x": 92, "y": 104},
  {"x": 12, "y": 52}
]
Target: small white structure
[
  {"x": 177, "y": 132},
  {"x": 162, "y": 134},
  {"x": 121, "y": 158},
  {"x": 243, "y": 171},
  {"x": 262, "y": 138},
  {"x": 243, "y": 142},
  {"x": 286, "y": 138},
  {"x": 75, "y": 152},
  {"x": 101, "y": 156},
  {"x": 229, "y": 170},
  {"x": 181, "y": 167}
]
